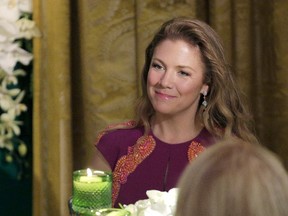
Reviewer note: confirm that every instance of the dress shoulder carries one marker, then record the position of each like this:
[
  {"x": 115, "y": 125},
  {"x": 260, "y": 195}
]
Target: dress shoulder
[
  {"x": 112, "y": 144},
  {"x": 110, "y": 129}
]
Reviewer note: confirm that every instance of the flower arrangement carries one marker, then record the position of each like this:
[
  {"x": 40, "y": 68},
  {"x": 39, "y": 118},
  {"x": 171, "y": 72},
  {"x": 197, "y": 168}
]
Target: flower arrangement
[
  {"x": 159, "y": 203},
  {"x": 16, "y": 31}
]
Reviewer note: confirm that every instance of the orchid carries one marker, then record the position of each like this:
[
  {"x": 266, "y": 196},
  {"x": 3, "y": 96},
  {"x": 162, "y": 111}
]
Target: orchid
[
  {"x": 11, "y": 10},
  {"x": 159, "y": 203},
  {"x": 28, "y": 28},
  {"x": 10, "y": 54},
  {"x": 16, "y": 29},
  {"x": 8, "y": 31}
]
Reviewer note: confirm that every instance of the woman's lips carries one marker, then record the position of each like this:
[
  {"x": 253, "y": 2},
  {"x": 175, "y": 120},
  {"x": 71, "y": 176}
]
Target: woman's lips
[{"x": 164, "y": 96}]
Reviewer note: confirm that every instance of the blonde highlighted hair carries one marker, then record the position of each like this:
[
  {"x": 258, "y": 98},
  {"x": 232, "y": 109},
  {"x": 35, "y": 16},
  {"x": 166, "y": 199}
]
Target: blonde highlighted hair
[{"x": 234, "y": 178}]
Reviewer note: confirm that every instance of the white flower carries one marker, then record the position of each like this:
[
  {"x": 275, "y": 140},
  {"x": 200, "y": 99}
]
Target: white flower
[
  {"x": 10, "y": 54},
  {"x": 12, "y": 9},
  {"x": 159, "y": 203},
  {"x": 25, "y": 6},
  {"x": 9, "y": 124},
  {"x": 9, "y": 10},
  {"x": 6, "y": 97},
  {"x": 8, "y": 30},
  {"x": 5, "y": 142},
  {"x": 15, "y": 28},
  {"x": 27, "y": 29},
  {"x": 11, "y": 78},
  {"x": 16, "y": 108},
  {"x": 5, "y": 101}
]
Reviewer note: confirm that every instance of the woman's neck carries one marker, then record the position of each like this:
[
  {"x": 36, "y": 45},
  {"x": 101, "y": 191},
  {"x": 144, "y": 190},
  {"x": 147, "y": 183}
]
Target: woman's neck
[{"x": 173, "y": 130}]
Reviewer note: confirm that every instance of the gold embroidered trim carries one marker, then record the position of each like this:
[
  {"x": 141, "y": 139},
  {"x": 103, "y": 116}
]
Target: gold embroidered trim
[
  {"x": 128, "y": 163},
  {"x": 195, "y": 148}
]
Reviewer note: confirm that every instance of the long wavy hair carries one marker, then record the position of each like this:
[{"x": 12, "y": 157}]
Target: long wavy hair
[{"x": 225, "y": 114}]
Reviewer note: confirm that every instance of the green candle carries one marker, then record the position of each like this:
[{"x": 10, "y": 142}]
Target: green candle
[{"x": 92, "y": 189}]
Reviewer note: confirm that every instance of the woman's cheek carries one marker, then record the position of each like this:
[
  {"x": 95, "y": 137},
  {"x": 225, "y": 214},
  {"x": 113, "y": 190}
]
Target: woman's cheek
[{"x": 152, "y": 78}]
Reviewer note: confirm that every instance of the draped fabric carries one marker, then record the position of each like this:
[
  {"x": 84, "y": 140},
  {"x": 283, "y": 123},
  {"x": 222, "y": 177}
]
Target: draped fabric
[
  {"x": 52, "y": 142},
  {"x": 87, "y": 74}
]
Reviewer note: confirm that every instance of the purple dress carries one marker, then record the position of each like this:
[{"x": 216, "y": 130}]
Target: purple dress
[{"x": 140, "y": 163}]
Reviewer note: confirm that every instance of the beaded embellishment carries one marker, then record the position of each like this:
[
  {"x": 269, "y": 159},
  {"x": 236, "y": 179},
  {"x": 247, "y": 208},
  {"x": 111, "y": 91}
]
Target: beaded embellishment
[
  {"x": 194, "y": 150},
  {"x": 128, "y": 163}
]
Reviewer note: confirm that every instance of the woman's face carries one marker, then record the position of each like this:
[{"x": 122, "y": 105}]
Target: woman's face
[{"x": 175, "y": 78}]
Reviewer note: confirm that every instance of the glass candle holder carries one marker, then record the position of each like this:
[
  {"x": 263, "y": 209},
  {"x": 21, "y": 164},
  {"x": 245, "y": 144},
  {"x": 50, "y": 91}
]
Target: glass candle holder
[
  {"x": 92, "y": 190},
  {"x": 109, "y": 212}
]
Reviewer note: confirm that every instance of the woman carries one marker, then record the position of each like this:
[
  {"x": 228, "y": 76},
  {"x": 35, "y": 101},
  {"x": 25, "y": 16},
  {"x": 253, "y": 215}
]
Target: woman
[
  {"x": 235, "y": 178},
  {"x": 189, "y": 100}
]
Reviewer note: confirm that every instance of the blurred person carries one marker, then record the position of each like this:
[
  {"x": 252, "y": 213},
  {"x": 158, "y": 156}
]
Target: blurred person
[{"x": 236, "y": 178}]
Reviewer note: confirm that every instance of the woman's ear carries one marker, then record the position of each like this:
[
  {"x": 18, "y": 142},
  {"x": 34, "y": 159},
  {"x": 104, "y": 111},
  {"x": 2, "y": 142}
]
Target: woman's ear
[{"x": 205, "y": 89}]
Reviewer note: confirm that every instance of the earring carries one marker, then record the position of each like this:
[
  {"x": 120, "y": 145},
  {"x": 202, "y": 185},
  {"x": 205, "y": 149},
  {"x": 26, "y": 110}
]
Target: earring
[{"x": 204, "y": 102}]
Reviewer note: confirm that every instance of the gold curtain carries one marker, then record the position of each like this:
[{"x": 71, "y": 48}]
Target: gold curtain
[
  {"x": 52, "y": 160},
  {"x": 87, "y": 68}
]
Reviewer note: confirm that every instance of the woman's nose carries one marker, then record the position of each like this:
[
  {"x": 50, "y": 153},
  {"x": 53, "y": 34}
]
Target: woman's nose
[{"x": 166, "y": 80}]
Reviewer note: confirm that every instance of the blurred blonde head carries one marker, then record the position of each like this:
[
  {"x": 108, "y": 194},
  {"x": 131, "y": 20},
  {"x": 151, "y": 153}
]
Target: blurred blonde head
[{"x": 234, "y": 178}]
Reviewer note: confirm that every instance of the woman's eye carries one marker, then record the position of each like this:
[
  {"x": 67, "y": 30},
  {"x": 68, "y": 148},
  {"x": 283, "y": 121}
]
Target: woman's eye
[
  {"x": 157, "y": 66},
  {"x": 183, "y": 73}
]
